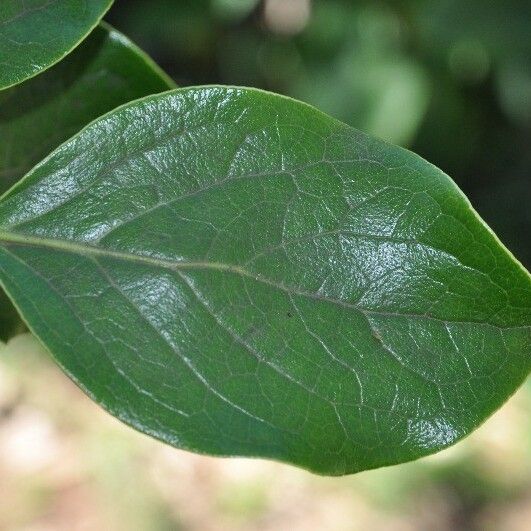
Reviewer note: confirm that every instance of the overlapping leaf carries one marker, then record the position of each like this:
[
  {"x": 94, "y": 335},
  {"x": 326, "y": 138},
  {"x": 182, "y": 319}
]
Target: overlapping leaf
[
  {"x": 36, "y": 34},
  {"x": 236, "y": 273}
]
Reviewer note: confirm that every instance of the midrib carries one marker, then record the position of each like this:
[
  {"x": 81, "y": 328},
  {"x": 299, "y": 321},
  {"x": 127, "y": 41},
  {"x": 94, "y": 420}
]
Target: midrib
[{"x": 84, "y": 249}]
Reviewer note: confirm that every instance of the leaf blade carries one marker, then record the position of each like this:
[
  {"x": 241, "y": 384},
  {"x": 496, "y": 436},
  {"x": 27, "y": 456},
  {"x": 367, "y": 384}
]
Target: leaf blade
[
  {"x": 34, "y": 38},
  {"x": 267, "y": 281}
]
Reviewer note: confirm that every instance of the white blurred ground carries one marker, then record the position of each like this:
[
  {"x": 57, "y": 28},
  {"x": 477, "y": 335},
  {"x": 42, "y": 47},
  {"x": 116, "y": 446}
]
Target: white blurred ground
[{"x": 67, "y": 465}]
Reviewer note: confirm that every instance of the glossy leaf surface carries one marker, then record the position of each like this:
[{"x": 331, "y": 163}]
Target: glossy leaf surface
[
  {"x": 236, "y": 273},
  {"x": 105, "y": 71},
  {"x": 36, "y": 34}
]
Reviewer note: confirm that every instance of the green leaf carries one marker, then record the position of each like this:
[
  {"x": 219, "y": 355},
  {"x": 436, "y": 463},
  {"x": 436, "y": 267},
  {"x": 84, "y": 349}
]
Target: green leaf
[
  {"x": 236, "y": 273},
  {"x": 36, "y": 34},
  {"x": 105, "y": 71}
]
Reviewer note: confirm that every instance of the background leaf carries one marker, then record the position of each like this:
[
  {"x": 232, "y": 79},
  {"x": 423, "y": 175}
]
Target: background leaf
[
  {"x": 105, "y": 71},
  {"x": 35, "y": 35},
  {"x": 236, "y": 273}
]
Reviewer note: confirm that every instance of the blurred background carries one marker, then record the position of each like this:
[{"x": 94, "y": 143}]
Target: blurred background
[{"x": 450, "y": 80}]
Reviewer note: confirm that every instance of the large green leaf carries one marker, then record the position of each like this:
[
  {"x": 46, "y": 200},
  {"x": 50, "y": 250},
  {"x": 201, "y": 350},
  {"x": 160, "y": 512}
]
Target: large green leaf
[
  {"x": 35, "y": 34},
  {"x": 236, "y": 273},
  {"x": 105, "y": 71}
]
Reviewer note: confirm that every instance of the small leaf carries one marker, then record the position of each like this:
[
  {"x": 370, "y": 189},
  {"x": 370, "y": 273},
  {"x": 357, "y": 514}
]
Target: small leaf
[
  {"x": 35, "y": 35},
  {"x": 235, "y": 273},
  {"x": 105, "y": 71}
]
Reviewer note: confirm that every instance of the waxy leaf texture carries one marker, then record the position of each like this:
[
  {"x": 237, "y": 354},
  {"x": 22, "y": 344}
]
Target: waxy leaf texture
[
  {"x": 35, "y": 34},
  {"x": 236, "y": 273},
  {"x": 105, "y": 71}
]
